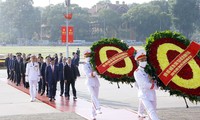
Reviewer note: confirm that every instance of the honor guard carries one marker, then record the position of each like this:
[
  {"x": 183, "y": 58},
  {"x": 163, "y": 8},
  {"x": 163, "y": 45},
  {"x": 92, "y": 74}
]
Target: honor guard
[
  {"x": 146, "y": 86},
  {"x": 93, "y": 84},
  {"x": 33, "y": 76}
]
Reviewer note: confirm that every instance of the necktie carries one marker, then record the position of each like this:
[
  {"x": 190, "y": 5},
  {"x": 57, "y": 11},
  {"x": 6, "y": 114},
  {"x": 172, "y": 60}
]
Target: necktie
[{"x": 52, "y": 68}]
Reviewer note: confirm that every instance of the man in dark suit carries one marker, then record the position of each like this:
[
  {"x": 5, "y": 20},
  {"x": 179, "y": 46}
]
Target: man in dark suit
[
  {"x": 70, "y": 78},
  {"x": 40, "y": 61},
  {"x": 61, "y": 58},
  {"x": 56, "y": 58},
  {"x": 61, "y": 75},
  {"x": 75, "y": 62},
  {"x": 42, "y": 71},
  {"x": 52, "y": 73},
  {"x": 7, "y": 65},
  {"x": 11, "y": 67},
  {"x": 17, "y": 69}
]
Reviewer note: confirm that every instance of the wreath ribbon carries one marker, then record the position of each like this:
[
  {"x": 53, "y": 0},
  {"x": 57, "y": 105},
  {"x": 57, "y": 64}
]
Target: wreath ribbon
[
  {"x": 114, "y": 60},
  {"x": 179, "y": 62}
]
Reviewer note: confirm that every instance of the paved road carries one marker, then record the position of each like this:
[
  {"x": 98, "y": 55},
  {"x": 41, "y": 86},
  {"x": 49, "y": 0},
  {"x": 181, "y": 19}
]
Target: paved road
[{"x": 169, "y": 107}]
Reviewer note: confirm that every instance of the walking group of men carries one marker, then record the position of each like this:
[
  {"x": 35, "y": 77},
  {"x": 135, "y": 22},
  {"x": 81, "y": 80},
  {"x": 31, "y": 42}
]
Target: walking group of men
[
  {"x": 46, "y": 74},
  {"x": 41, "y": 75}
]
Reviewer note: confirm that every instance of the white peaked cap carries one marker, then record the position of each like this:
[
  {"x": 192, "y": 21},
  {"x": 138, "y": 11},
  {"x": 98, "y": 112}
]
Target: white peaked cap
[
  {"x": 87, "y": 52},
  {"x": 140, "y": 54}
]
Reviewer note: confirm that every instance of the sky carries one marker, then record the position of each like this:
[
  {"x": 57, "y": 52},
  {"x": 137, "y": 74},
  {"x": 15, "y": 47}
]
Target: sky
[{"x": 82, "y": 3}]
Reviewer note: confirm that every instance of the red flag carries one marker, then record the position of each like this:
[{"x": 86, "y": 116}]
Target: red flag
[
  {"x": 63, "y": 34},
  {"x": 70, "y": 34},
  {"x": 68, "y": 16}
]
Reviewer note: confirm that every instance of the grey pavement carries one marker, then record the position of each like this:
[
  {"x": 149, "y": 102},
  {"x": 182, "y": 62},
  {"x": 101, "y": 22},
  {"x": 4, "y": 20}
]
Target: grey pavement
[
  {"x": 169, "y": 107},
  {"x": 16, "y": 105}
]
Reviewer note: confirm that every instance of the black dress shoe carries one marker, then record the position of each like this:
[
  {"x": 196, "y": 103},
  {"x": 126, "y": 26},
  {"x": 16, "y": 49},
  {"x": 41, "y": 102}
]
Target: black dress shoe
[
  {"x": 42, "y": 94},
  {"x": 61, "y": 95},
  {"x": 67, "y": 98},
  {"x": 50, "y": 99},
  {"x": 75, "y": 97}
]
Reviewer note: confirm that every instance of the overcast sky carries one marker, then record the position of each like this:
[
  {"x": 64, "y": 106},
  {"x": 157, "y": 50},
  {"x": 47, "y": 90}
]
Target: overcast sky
[{"x": 82, "y": 3}]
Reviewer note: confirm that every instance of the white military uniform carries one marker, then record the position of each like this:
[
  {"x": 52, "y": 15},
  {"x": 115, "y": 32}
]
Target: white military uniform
[
  {"x": 93, "y": 84},
  {"x": 140, "y": 106},
  {"x": 146, "y": 91},
  {"x": 33, "y": 76}
]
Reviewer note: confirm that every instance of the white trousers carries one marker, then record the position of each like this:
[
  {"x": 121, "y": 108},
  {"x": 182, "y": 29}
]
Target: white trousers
[
  {"x": 33, "y": 88},
  {"x": 150, "y": 107},
  {"x": 94, "y": 93},
  {"x": 140, "y": 108}
]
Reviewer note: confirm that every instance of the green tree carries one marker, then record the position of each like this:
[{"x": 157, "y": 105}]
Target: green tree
[
  {"x": 110, "y": 22},
  {"x": 19, "y": 18},
  {"x": 185, "y": 15},
  {"x": 53, "y": 19},
  {"x": 147, "y": 18}
]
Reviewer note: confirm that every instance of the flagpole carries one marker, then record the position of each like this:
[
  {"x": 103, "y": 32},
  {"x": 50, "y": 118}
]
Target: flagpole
[
  {"x": 67, "y": 45},
  {"x": 67, "y": 24}
]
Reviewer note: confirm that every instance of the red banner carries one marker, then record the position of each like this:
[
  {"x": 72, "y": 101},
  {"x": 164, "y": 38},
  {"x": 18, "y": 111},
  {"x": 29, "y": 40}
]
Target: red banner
[
  {"x": 63, "y": 34},
  {"x": 68, "y": 16},
  {"x": 179, "y": 62},
  {"x": 115, "y": 59},
  {"x": 70, "y": 34}
]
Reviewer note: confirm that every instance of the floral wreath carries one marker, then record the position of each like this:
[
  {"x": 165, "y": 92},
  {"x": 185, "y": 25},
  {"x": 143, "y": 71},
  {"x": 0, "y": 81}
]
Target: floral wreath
[
  {"x": 105, "y": 49},
  {"x": 162, "y": 48}
]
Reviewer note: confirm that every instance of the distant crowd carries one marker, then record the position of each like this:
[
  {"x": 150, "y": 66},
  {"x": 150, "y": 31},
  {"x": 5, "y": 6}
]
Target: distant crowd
[{"x": 52, "y": 69}]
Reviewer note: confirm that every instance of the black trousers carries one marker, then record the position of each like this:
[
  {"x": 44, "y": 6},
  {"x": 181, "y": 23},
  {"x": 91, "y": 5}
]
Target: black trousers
[
  {"x": 61, "y": 87},
  {"x": 12, "y": 75},
  {"x": 40, "y": 85},
  {"x": 67, "y": 88},
  {"x": 77, "y": 71},
  {"x": 18, "y": 77},
  {"x": 44, "y": 86},
  {"x": 52, "y": 89},
  {"x": 23, "y": 80},
  {"x": 8, "y": 73}
]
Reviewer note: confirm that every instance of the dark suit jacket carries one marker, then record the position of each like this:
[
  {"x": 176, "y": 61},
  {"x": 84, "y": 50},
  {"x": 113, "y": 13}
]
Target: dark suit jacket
[
  {"x": 42, "y": 70},
  {"x": 11, "y": 64},
  {"x": 75, "y": 61},
  {"x": 61, "y": 71},
  {"x": 70, "y": 73},
  {"x": 7, "y": 62},
  {"x": 51, "y": 76},
  {"x": 18, "y": 67}
]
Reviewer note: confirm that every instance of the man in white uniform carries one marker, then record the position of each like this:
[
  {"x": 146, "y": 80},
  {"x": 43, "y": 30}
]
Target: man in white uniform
[
  {"x": 146, "y": 86},
  {"x": 92, "y": 83},
  {"x": 33, "y": 76}
]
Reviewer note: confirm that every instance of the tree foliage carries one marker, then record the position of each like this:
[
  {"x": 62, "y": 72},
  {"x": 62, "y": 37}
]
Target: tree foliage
[
  {"x": 185, "y": 14},
  {"x": 20, "y": 20}
]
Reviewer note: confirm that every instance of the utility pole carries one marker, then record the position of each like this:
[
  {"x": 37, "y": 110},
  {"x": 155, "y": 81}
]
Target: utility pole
[{"x": 67, "y": 3}]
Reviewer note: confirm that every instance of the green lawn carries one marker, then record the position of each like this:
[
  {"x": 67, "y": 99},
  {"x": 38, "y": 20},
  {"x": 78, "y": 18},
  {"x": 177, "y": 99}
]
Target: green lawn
[{"x": 44, "y": 50}]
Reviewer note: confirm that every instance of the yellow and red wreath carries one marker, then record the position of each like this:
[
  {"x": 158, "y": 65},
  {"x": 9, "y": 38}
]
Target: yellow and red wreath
[
  {"x": 162, "y": 48},
  {"x": 107, "y": 51}
]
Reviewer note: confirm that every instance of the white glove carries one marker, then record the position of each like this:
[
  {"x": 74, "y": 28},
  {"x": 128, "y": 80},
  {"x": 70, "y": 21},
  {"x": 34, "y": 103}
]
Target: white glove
[
  {"x": 26, "y": 79},
  {"x": 94, "y": 73},
  {"x": 38, "y": 79}
]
